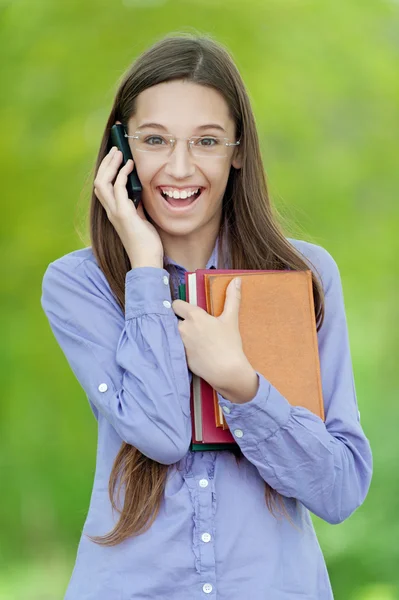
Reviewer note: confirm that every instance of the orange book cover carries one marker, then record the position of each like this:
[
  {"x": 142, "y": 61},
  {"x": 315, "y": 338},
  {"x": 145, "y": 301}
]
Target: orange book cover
[{"x": 278, "y": 330}]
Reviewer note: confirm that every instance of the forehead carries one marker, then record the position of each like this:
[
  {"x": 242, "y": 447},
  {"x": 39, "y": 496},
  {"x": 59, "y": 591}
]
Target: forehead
[{"x": 181, "y": 106}]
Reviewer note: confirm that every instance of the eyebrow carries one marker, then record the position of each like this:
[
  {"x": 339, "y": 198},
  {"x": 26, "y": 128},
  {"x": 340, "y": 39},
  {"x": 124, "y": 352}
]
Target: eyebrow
[{"x": 200, "y": 127}]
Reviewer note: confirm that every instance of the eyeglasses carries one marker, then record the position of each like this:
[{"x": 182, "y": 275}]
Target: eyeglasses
[{"x": 163, "y": 145}]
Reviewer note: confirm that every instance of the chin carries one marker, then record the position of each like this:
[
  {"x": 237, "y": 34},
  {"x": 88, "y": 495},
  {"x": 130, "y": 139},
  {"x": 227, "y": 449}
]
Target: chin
[
  {"x": 171, "y": 224},
  {"x": 178, "y": 229}
]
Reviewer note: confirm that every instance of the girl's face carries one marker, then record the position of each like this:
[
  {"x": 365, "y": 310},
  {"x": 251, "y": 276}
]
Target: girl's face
[{"x": 182, "y": 108}]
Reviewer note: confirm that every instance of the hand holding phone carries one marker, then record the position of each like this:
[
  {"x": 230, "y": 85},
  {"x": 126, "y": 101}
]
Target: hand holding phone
[
  {"x": 139, "y": 237},
  {"x": 133, "y": 185}
]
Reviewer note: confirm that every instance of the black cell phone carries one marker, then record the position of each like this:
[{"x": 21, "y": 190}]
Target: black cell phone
[{"x": 133, "y": 185}]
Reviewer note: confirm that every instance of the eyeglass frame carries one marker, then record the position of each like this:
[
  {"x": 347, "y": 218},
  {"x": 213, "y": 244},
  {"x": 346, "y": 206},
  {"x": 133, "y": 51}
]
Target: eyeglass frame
[{"x": 189, "y": 140}]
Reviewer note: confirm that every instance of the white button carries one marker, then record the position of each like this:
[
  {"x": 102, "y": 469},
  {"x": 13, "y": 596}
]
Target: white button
[
  {"x": 166, "y": 304},
  {"x": 165, "y": 280},
  {"x": 102, "y": 387},
  {"x": 207, "y": 588},
  {"x": 226, "y": 410},
  {"x": 203, "y": 482},
  {"x": 206, "y": 537},
  {"x": 238, "y": 433}
]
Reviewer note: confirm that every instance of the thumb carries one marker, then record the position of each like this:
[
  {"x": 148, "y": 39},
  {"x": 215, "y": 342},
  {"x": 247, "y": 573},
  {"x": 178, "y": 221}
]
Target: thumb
[{"x": 233, "y": 300}]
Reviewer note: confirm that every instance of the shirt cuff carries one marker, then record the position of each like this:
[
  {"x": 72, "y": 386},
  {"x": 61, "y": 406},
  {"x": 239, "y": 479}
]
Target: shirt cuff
[
  {"x": 258, "y": 419},
  {"x": 147, "y": 291}
]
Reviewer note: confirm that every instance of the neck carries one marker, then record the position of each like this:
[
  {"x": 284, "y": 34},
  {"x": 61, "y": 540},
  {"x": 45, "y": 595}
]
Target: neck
[{"x": 191, "y": 252}]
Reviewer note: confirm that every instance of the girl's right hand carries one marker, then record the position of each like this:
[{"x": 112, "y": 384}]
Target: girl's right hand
[{"x": 139, "y": 237}]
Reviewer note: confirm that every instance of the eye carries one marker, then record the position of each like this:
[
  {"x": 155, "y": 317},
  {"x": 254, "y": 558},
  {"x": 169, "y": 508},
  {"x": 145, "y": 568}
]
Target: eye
[
  {"x": 209, "y": 141},
  {"x": 158, "y": 139}
]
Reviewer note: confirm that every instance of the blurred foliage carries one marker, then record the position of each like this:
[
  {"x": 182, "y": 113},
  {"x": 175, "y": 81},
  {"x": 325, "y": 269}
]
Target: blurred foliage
[{"x": 323, "y": 80}]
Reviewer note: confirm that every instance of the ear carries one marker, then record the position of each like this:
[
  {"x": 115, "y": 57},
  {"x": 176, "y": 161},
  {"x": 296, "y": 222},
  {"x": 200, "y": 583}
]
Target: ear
[
  {"x": 237, "y": 159},
  {"x": 237, "y": 163}
]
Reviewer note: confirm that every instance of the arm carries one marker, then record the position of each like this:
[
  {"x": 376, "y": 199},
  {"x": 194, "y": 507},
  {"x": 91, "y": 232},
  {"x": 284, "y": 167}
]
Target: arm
[
  {"x": 326, "y": 466},
  {"x": 132, "y": 367}
]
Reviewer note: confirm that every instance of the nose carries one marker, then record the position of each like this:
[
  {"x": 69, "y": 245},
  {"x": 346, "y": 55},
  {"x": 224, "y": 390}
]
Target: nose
[{"x": 180, "y": 163}]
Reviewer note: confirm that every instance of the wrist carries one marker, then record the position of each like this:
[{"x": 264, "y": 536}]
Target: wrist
[
  {"x": 137, "y": 263},
  {"x": 147, "y": 264},
  {"x": 243, "y": 385}
]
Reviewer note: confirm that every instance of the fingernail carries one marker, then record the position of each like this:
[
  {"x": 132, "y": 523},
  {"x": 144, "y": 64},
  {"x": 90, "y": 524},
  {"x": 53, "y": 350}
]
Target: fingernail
[{"x": 238, "y": 282}]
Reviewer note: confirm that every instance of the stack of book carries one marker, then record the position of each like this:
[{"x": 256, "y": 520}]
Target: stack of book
[{"x": 279, "y": 336}]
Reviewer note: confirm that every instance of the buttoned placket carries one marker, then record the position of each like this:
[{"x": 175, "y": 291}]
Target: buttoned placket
[{"x": 199, "y": 479}]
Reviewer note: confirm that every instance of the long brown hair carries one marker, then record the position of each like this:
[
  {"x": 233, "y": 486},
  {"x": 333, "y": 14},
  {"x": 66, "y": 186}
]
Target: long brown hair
[{"x": 255, "y": 238}]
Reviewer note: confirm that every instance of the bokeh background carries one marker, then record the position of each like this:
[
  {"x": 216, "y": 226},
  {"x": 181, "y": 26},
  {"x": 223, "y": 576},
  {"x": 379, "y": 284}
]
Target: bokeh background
[{"x": 323, "y": 80}]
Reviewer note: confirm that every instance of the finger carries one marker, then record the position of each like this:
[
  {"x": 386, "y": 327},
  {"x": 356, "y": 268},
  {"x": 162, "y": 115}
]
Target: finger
[
  {"x": 127, "y": 167},
  {"x": 110, "y": 191},
  {"x": 120, "y": 191},
  {"x": 103, "y": 182},
  {"x": 181, "y": 308},
  {"x": 110, "y": 169},
  {"x": 105, "y": 176},
  {"x": 189, "y": 311},
  {"x": 121, "y": 178},
  {"x": 106, "y": 161},
  {"x": 232, "y": 301}
]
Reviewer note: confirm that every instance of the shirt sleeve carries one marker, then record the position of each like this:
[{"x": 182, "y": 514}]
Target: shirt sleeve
[
  {"x": 327, "y": 465},
  {"x": 132, "y": 366}
]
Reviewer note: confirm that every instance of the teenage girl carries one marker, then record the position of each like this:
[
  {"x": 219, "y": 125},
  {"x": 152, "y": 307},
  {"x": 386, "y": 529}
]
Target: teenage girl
[{"x": 166, "y": 523}]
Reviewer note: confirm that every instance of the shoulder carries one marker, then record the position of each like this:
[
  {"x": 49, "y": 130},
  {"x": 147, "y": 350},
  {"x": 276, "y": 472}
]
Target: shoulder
[
  {"x": 73, "y": 271},
  {"x": 320, "y": 261},
  {"x": 77, "y": 263},
  {"x": 73, "y": 260}
]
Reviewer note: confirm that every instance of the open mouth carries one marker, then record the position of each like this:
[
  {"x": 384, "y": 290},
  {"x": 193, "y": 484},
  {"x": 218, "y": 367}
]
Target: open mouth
[{"x": 180, "y": 203}]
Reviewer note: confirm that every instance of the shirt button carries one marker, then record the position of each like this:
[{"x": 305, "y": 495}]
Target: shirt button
[
  {"x": 207, "y": 588},
  {"x": 203, "y": 482},
  {"x": 102, "y": 387},
  {"x": 206, "y": 537},
  {"x": 166, "y": 304},
  {"x": 226, "y": 410},
  {"x": 165, "y": 280},
  {"x": 238, "y": 433}
]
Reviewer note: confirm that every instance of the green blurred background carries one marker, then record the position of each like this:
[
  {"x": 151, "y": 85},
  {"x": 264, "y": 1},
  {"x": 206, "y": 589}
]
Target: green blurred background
[{"x": 323, "y": 80}]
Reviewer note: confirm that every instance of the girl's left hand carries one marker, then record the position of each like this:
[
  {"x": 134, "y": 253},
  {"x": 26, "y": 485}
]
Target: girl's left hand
[{"x": 213, "y": 345}]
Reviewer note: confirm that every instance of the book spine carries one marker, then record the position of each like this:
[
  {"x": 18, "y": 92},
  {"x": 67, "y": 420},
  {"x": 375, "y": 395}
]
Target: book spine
[
  {"x": 315, "y": 344},
  {"x": 182, "y": 291}
]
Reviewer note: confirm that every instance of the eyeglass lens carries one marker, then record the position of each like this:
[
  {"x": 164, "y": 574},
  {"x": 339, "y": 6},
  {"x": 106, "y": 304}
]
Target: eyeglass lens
[{"x": 201, "y": 146}]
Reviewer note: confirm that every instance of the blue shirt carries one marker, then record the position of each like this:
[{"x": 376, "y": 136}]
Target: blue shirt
[{"x": 214, "y": 536}]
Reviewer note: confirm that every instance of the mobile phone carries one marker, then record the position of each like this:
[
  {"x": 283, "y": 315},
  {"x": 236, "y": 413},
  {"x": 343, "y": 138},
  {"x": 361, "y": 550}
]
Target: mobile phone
[{"x": 133, "y": 185}]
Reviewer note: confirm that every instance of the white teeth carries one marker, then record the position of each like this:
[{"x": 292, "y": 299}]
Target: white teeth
[{"x": 176, "y": 194}]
